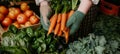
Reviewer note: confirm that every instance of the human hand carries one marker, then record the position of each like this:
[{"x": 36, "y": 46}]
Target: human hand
[
  {"x": 45, "y": 11},
  {"x": 74, "y": 21}
]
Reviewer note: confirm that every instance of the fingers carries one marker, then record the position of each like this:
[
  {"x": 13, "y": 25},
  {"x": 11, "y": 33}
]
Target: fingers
[
  {"x": 44, "y": 25},
  {"x": 73, "y": 29},
  {"x": 46, "y": 21},
  {"x": 71, "y": 20}
]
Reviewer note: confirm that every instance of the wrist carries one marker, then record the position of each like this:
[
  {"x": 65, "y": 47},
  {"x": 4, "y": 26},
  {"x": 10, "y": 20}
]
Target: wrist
[
  {"x": 44, "y": 2},
  {"x": 84, "y": 6}
]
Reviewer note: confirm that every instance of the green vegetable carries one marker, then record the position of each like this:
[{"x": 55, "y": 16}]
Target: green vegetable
[
  {"x": 29, "y": 32},
  {"x": 74, "y": 4},
  {"x": 109, "y": 26},
  {"x": 12, "y": 29},
  {"x": 94, "y": 44},
  {"x": 37, "y": 33},
  {"x": 14, "y": 50}
]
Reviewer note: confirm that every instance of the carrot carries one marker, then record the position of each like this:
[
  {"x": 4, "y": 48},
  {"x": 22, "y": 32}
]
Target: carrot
[
  {"x": 52, "y": 24},
  {"x": 51, "y": 18},
  {"x": 57, "y": 28},
  {"x": 59, "y": 33},
  {"x": 66, "y": 33},
  {"x": 70, "y": 13},
  {"x": 59, "y": 18},
  {"x": 63, "y": 21}
]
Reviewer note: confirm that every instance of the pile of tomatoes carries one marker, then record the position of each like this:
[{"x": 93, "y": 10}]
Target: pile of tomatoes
[{"x": 19, "y": 17}]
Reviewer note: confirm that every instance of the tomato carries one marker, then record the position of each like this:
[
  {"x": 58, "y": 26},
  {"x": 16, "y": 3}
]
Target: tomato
[
  {"x": 11, "y": 9},
  {"x": 16, "y": 24},
  {"x": 1, "y": 17},
  {"x": 34, "y": 20},
  {"x": 12, "y": 15},
  {"x": 28, "y": 13},
  {"x": 21, "y": 18},
  {"x": 24, "y": 6},
  {"x": 27, "y": 24},
  {"x": 3, "y": 10},
  {"x": 6, "y": 22},
  {"x": 14, "y": 12},
  {"x": 17, "y": 11}
]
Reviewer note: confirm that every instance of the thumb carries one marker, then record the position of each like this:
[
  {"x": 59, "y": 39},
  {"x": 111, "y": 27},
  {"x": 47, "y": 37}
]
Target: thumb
[
  {"x": 70, "y": 21},
  {"x": 46, "y": 21},
  {"x": 73, "y": 28}
]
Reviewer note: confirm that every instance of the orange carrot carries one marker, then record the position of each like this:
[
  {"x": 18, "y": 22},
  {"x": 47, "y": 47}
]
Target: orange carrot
[
  {"x": 70, "y": 13},
  {"x": 57, "y": 27},
  {"x": 63, "y": 21},
  {"x": 60, "y": 32},
  {"x": 66, "y": 34},
  {"x": 59, "y": 18},
  {"x": 51, "y": 18},
  {"x": 52, "y": 24}
]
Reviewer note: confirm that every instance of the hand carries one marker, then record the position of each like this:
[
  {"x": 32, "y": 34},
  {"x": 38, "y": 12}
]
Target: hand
[
  {"x": 45, "y": 11},
  {"x": 74, "y": 21}
]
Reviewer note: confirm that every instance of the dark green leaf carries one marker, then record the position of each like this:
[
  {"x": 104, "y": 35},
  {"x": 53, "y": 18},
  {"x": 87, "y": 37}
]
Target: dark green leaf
[
  {"x": 12, "y": 29},
  {"x": 39, "y": 50},
  {"x": 29, "y": 32},
  {"x": 43, "y": 46}
]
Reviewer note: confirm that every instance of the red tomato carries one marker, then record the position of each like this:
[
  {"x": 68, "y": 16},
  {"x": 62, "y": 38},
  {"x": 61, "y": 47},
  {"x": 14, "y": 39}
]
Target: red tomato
[
  {"x": 17, "y": 11},
  {"x": 12, "y": 15},
  {"x": 24, "y": 6},
  {"x": 6, "y": 22},
  {"x": 3, "y": 10},
  {"x": 11, "y": 9},
  {"x": 16, "y": 24},
  {"x": 21, "y": 18},
  {"x": 34, "y": 19},
  {"x": 1, "y": 17},
  {"x": 28, "y": 13},
  {"x": 14, "y": 12},
  {"x": 27, "y": 24}
]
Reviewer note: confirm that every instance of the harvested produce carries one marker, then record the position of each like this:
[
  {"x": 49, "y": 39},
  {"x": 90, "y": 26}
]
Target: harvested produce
[
  {"x": 59, "y": 18},
  {"x": 20, "y": 16},
  {"x": 1, "y": 17},
  {"x": 7, "y": 22},
  {"x": 3, "y": 10},
  {"x": 34, "y": 20},
  {"x": 29, "y": 39},
  {"x": 24, "y": 6},
  {"x": 28, "y": 13},
  {"x": 108, "y": 26},
  {"x": 94, "y": 44}
]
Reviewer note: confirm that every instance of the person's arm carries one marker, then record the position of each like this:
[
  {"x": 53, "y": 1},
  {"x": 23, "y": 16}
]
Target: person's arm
[
  {"x": 45, "y": 12},
  {"x": 75, "y": 20},
  {"x": 84, "y": 6}
]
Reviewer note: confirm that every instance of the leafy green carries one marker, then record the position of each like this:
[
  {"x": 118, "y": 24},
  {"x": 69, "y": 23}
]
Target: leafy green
[
  {"x": 94, "y": 44},
  {"x": 14, "y": 50},
  {"x": 109, "y": 26},
  {"x": 74, "y": 4},
  {"x": 12, "y": 29},
  {"x": 34, "y": 40},
  {"x": 29, "y": 32}
]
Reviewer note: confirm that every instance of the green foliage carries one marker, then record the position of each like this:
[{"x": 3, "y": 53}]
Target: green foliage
[
  {"x": 94, "y": 45},
  {"x": 109, "y": 26},
  {"x": 34, "y": 40}
]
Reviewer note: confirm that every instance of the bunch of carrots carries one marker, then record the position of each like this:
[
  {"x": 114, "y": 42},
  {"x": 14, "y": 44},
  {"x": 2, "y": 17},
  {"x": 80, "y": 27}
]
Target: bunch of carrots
[{"x": 58, "y": 22}]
